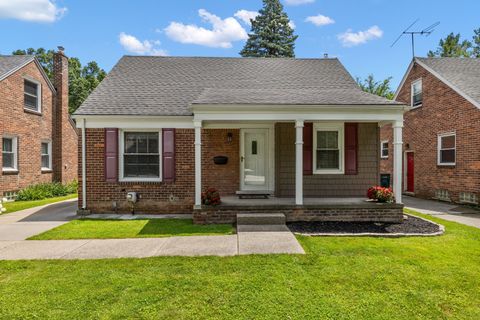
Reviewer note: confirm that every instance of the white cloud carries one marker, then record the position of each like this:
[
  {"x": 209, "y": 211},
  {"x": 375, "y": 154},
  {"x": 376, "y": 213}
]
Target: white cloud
[
  {"x": 245, "y": 15},
  {"x": 320, "y": 20},
  {"x": 297, "y": 2},
  {"x": 133, "y": 45},
  {"x": 31, "y": 10},
  {"x": 350, "y": 39},
  {"x": 223, "y": 33},
  {"x": 292, "y": 24}
]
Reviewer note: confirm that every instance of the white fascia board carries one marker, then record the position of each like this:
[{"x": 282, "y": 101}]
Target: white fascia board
[
  {"x": 400, "y": 86},
  {"x": 344, "y": 113},
  {"x": 135, "y": 122}
]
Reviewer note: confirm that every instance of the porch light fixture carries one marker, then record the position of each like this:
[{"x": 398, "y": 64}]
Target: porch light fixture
[{"x": 229, "y": 137}]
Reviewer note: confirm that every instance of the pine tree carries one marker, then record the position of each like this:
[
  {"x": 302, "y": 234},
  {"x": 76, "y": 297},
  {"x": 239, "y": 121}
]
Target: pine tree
[
  {"x": 271, "y": 34},
  {"x": 452, "y": 46}
]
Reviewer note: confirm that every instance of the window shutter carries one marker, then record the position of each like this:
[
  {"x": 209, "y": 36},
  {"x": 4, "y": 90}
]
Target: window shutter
[
  {"x": 168, "y": 155},
  {"x": 111, "y": 155},
  {"x": 308, "y": 148},
  {"x": 351, "y": 148}
]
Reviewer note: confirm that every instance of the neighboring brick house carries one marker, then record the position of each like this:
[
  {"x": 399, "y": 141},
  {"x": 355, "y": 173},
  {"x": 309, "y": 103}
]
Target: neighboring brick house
[
  {"x": 39, "y": 139},
  {"x": 299, "y": 130},
  {"x": 442, "y": 129}
]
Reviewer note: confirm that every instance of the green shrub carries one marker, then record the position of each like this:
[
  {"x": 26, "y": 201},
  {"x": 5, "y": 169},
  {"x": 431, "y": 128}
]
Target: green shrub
[{"x": 46, "y": 190}]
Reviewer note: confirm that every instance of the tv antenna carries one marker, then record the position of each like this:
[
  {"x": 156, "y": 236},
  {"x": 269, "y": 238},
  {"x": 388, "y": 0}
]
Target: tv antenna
[{"x": 427, "y": 31}]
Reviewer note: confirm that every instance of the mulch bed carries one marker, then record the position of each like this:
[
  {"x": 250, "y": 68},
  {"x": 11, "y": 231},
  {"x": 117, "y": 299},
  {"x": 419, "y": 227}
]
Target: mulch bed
[{"x": 411, "y": 226}]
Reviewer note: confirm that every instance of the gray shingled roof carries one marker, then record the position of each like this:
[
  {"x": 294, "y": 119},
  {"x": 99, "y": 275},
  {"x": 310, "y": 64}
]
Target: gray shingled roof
[
  {"x": 463, "y": 73},
  {"x": 9, "y": 63},
  {"x": 140, "y": 85}
]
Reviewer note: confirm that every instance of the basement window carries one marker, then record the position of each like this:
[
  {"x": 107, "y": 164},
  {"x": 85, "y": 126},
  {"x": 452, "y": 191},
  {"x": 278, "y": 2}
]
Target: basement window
[
  {"x": 446, "y": 149},
  {"x": 442, "y": 194},
  {"x": 32, "y": 94},
  {"x": 417, "y": 93},
  {"x": 468, "y": 197}
]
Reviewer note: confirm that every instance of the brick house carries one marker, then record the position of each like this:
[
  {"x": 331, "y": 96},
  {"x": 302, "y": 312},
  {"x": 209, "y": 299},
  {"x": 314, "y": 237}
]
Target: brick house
[
  {"x": 442, "y": 133},
  {"x": 39, "y": 139},
  {"x": 298, "y": 132}
]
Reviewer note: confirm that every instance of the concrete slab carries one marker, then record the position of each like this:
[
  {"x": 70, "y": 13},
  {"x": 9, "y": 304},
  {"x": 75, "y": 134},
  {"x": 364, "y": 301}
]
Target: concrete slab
[
  {"x": 32, "y": 250},
  {"x": 24, "y": 230},
  {"x": 268, "y": 242},
  {"x": 4, "y": 244},
  {"x": 200, "y": 246},
  {"x": 444, "y": 210},
  {"x": 118, "y": 248}
]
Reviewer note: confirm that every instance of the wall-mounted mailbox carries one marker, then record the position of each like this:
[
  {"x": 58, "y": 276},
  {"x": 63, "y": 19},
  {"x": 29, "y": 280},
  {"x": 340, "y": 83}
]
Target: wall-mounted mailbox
[{"x": 220, "y": 160}]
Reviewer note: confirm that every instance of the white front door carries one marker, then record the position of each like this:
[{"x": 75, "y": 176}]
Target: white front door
[{"x": 254, "y": 159}]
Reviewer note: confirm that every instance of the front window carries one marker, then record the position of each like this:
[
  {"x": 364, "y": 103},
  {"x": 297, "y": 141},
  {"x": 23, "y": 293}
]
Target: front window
[
  {"x": 417, "y": 94},
  {"x": 384, "y": 150},
  {"x": 141, "y": 155},
  {"x": 328, "y": 149},
  {"x": 46, "y": 152},
  {"x": 9, "y": 153},
  {"x": 31, "y": 95},
  {"x": 446, "y": 149}
]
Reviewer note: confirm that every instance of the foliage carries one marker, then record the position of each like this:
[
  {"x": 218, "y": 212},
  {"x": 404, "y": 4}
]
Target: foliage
[
  {"x": 380, "y": 194},
  {"x": 476, "y": 43},
  {"x": 82, "y": 80},
  {"x": 22, "y": 205},
  {"x": 211, "y": 197},
  {"x": 452, "y": 46},
  {"x": 46, "y": 190},
  {"x": 2, "y": 207},
  {"x": 337, "y": 278},
  {"x": 141, "y": 228},
  {"x": 271, "y": 34},
  {"x": 380, "y": 88}
]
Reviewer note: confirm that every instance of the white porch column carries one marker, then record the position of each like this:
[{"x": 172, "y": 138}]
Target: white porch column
[
  {"x": 397, "y": 160},
  {"x": 299, "y": 162},
  {"x": 198, "y": 163}
]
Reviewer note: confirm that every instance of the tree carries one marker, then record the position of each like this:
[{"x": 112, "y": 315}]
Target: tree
[
  {"x": 271, "y": 34},
  {"x": 452, "y": 46},
  {"x": 476, "y": 43},
  {"x": 82, "y": 80},
  {"x": 380, "y": 88}
]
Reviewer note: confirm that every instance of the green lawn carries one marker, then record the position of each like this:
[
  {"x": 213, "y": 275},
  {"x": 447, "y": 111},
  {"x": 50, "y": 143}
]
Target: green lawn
[
  {"x": 21, "y": 205},
  {"x": 338, "y": 278},
  {"x": 141, "y": 228}
]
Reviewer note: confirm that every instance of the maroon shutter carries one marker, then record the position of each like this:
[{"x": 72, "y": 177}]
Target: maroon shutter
[
  {"x": 308, "y": 148},
  {"x": 111, "y": 154},
  {"x": 351, "y": 148},
  {"x": 168, "y": 155}
]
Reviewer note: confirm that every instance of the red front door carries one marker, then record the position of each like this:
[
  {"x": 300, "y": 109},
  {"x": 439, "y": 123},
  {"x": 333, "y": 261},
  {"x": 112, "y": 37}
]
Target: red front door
[{"x": 410, "y": 172}]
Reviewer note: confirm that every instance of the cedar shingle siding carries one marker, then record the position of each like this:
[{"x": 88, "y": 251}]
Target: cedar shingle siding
[{"x": 326, "y": 185}]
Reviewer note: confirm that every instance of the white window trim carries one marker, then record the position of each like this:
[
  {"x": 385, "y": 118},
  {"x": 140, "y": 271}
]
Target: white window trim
[
  {"x": 49, "y": 155},
  {"x": 411, "y": 93},
  {"x": 121, "y": 153},
  {"x": 15, "y": 154},
  {"x": 439, "y": 145},
  {"x": 340, "y": 127},
  {"x": 39, "y": 95},
  {"x": 382, "y": 148}
]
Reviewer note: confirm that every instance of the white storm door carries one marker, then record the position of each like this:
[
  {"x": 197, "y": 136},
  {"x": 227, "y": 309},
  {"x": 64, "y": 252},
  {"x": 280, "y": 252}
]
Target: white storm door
[{"x": 254, "y": 159}]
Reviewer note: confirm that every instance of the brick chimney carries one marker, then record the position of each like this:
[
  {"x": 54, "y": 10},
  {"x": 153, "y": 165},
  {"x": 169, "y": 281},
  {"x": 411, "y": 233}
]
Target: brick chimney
[{"x": 60, "y": 114}]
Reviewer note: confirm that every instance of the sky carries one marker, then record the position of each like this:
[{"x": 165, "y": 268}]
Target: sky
[{"x": 359, "y": 33}]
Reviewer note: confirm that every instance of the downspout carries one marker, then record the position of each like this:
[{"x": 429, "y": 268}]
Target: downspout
[{"x": 84, "y": 167}]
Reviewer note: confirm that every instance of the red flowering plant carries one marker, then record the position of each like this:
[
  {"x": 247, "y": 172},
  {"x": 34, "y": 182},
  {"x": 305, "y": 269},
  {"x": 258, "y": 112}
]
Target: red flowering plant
[
  {"x": 380, "y": 194},
  {"x": 211, "y": 197}
]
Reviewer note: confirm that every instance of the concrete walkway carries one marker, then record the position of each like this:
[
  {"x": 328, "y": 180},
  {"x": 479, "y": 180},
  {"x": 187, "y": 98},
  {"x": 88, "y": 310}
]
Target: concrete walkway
[
  {"x": 16, "y": 227},
  {"x": 23, "y": 224},
  {"x": 444, "y": 210}
]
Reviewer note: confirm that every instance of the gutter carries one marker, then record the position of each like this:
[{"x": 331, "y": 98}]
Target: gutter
[{"x": 84, "y": 166}]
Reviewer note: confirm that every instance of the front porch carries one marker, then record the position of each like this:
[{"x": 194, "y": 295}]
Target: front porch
[{"x": 313, "y": 209}]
